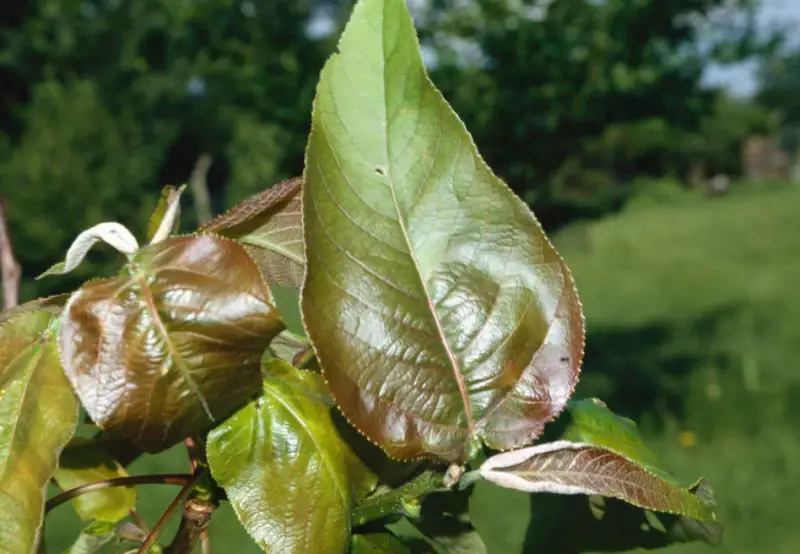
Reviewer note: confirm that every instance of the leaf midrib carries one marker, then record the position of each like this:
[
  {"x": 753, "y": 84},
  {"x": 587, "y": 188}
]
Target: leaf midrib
[
  {"x": 180, "y": 363},
  {"x": 462, "y": 386}
]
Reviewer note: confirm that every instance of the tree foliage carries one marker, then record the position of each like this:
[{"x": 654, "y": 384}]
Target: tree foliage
[{"x": 440, "y": 321}]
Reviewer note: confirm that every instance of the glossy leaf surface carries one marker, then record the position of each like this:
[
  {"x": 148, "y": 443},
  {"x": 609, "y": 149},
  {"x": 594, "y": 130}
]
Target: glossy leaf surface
[
  {"x": 440, "y": 312},
  {"x": 565, "y": 467},
  {"x": 289, "y": 476},
  {"x": 82, "y": 463},
  {"x": 174, "y": 345},
  {"x": 38, "y": 415},
  {"x": 270, "y": 226}
]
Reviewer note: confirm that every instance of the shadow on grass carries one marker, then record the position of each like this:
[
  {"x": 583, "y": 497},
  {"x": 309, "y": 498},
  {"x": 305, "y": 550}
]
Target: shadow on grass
[{"x": 647, "y": 370}]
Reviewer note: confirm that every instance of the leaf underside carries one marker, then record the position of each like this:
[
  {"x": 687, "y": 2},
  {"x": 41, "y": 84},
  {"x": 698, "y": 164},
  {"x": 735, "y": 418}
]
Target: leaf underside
[
  {"x": 290, "y": 478},
  {"x": 565, "y": 467},
  {"x": 270, "y": 226},
  {"x": 440, "y": 313},
  {"x": 174, "y": 345},
  {"x": 39, "y": 412}
]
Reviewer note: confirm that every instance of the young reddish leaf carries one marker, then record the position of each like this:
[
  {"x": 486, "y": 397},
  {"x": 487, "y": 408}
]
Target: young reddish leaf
[
  {"x": 565, "y": 467},
  {"x": 288, "y": 474},
  {"x": 83, "y": 462},
  {"x": 439, "y": 311},
  {"x": 38, "y": 415},
  {"x": 269, "y": 225},
  {"x": 172, "y": 345}
]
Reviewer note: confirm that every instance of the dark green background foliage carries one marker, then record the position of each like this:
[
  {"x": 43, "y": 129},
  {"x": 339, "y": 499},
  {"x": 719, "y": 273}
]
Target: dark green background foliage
[{"x": 596, "y": 112}]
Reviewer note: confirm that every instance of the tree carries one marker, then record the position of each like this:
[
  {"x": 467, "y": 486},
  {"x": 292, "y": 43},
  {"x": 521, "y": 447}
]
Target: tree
[
  {"x": 550, "y": 79},
  {"x": 440, "y": 321}
]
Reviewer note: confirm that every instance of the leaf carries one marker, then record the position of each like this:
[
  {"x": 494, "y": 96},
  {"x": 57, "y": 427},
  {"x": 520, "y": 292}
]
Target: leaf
[
  {"x": 112, "y": 233},
  {"x": 172, "y": 345},
  {"x": 502, "y": 517},
  {"x": 565, "y": 467},
  {"x": 597, "y": 524},
  {"x": 377, "y": 543},
  {"x": 290, "y": 478},
  {"x": 269, "y": 224},
  {"x": 292, "y": 348},
  {"x": 93, "y": 538},
  {"x": 166, "y": 217},
  {"x": 51, "y": 304},
  {"x": 103, "y": 537},
  {"x": 38, "y": 415},
  {"x": 82, "y": 463},
  {"x": 440, "y": 313}
]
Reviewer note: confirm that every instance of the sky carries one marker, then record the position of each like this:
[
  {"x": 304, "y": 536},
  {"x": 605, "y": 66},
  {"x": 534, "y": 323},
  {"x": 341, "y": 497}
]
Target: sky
[{"x": 741, "y": 79}]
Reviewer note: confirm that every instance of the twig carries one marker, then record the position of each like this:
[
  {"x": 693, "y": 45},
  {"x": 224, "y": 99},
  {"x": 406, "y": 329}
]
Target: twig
[
  {"x": 402, "y": 501},
  {"x": 194, "y": 525},
  {"x": 165, "y": 517},
  {"x": 166, "y": 479},
  {"x": 9, "y": 268},
  {"x": 205, "y": 543}
]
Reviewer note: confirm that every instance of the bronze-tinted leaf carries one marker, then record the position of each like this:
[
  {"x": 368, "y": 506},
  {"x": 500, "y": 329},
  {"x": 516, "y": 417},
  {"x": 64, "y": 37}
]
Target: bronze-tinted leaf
[
  {"x": 288, "y": 474},
  {"x": 83, "y": 462},
  {"x": 440, "y": 313},
  {"x": 172, "y": 345},
  {"x": 38, "y": 415},
  {"x": 269, "y": 225},
  {"x": 565, "y": 467}
]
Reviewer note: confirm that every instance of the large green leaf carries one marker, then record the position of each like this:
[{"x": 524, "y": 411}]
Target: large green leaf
[
  {"x": 38, "y": 415},
  {"x": 171, "y": 345},
  {"x": 81, "y": 463},
  {"x": 440, "y": 312},
  {"x": 269, "y": 224},
  {"x": 288, "y": 474}
]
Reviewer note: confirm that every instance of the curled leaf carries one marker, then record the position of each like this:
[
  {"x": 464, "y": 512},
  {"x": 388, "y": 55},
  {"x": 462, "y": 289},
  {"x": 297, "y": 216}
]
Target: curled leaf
[
  {"x": 269, "y": 224},
  {"x": 38, "y": 415},
  {"x": 441, "y": 315},
  {"x": 112, "y": 233},
  {"x": 288, "y": 474},
  {"x": 565, "y": 467},
  {"x": 166, "y": 217},
  {"x": 173, "y": 344}
]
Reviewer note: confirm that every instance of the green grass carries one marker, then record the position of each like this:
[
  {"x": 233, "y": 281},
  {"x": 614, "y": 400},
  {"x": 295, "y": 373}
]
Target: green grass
[{"x": 693, "y": 313}]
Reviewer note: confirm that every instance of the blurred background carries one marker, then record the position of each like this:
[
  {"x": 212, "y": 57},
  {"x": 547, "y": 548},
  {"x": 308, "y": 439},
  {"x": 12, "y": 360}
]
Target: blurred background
[{"x": 657, "y": 140}]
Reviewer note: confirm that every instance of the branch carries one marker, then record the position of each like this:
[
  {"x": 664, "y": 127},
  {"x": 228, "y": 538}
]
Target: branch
[
  {"x": 165, "y": 517},
  {"x": 401, "y": 501},
  {"x": 194, "y": 525},
  {"x": 10, "y": 270},
  {"x": 166, "y": 479}
]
